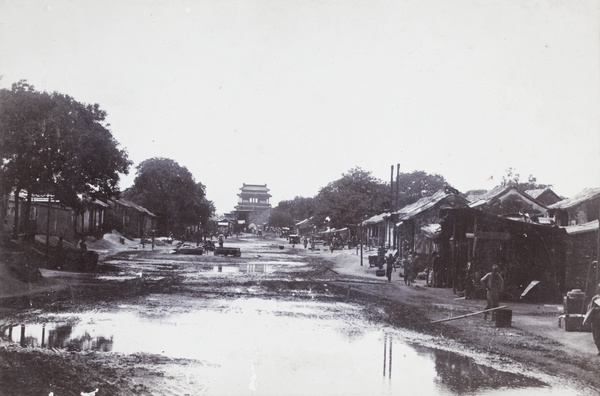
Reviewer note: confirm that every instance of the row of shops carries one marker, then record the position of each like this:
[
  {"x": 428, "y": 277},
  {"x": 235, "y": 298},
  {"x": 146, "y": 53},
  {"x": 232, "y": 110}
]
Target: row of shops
[
  {"x": 45, "y": 215},
  {"x": 552, "y": 243}
]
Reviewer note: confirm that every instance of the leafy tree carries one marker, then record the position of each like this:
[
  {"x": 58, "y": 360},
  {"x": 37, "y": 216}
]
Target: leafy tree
[
  {"x": 415, "y": 185},
  {"x": 279, "y": 217},
  {"x": 169, "y": 190},
  {"x": 299, "y": 208},
  {"x": 511, "y": 178},
  {"x": 348, "y": 200},
  {"x": 52, "y": 144}
]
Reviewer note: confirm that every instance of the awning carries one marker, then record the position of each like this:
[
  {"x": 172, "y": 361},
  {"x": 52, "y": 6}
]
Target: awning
[{"x": 432, "y": 231}]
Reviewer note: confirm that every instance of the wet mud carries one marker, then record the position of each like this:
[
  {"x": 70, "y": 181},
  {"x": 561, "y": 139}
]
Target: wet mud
[{"x": 153, "y": 322}]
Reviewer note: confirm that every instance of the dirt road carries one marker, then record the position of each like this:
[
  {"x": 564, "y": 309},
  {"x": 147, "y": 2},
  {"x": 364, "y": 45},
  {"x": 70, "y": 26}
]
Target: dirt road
[{"x": 268, "y": 269}]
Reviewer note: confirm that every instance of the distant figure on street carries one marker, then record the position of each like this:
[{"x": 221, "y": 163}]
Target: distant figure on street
[
  {"x": 594, "y": 318},
  {"x": 436, "y": 265},
  {"x": 380, "y": 257},
  {"x": 410, "y": 269},
  {"x": 305, "y": 240},
  {"x": 493, "y": 283},
  {"x": 60, "y": 253},
  {"x": 221, "y": 238},
  {"x": 389, "y": 266}
]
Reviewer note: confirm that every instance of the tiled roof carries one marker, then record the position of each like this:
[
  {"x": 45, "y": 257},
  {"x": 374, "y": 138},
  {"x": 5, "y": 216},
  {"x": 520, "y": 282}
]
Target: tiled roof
[
  {"x": 586, "y": 195},
  {"x": 422, "y": 204},
  {"x": 535, "y": 193},
  {"x": 488, "y": 195},
  {"x": 135, "y": 206},
  {"x": 254, "y": 187},
  {"x": 579, "y": 228},
  {"x": 375, "y": 219}
]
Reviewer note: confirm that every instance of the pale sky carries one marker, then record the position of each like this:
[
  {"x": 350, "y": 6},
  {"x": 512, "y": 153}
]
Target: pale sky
[{"x": 295, "y": 93}]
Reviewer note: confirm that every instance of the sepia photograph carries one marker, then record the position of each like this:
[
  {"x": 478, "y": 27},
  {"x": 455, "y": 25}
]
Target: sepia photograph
[{"x": 299, "y": 197}]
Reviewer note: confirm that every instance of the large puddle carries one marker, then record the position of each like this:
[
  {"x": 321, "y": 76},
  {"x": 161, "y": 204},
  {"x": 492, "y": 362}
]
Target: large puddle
[
  {"x": 152, "y": 268},
  {"x": 264, "y": 347}
]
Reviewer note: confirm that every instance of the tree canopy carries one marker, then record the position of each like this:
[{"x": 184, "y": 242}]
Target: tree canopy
[
  {"x": 348, "y": 200},
  {"x": 286, "y": 213},
  {"x": 415, "y": 185},
  {"x": 169, "y": 190},
  {"x": 512, "y": 178},
  {"x": 52, "y": 144},
  {"x": 356, "y": 196}
]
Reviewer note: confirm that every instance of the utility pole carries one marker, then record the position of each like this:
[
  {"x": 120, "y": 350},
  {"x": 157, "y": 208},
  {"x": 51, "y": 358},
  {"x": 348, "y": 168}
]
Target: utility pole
[
  {"x": 598, "y": 247},
  {"x": 397, "y": 185},
  {"x": 361, "y": 244},
  {"x": 392, "y": 189},
  {"x": 48, "y": 227}
]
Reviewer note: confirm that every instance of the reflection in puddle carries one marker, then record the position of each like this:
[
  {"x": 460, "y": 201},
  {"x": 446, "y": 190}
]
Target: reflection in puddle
[
  {"x": 269, "y": 346},
  {"x": 249, "y": 268},
  {"x": 55, "y": 336}
]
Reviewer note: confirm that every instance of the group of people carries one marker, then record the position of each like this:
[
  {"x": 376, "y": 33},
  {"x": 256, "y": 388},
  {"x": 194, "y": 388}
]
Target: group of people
[
  {"x": 493, "y": 284},
  {"x": 410, "y": 266},
  {"x": 492, "y": 281}
]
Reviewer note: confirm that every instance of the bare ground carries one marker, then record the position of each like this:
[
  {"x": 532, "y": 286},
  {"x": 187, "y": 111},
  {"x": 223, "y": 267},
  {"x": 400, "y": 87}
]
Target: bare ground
[{"x": 534, "y": 339}]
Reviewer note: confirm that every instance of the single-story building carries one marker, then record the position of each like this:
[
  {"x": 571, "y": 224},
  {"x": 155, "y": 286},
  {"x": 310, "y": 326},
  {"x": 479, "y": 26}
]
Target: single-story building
[
  {"x": 582, "y": 242},
  {"x": 473, "y": 241}
]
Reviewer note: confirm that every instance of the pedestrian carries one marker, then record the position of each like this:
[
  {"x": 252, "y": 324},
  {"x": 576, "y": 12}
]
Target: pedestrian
[
  {"x": 81, "y": 263},
  {"x": 389, "y": 266},
  {"x": 408, "y": 269},
  {"x": 493, "y": 283},
  {"x": 380, "y": 257},
  {"x": 594, "y": 317},
  {"x": 221, "y": 237},
  {"x": 305, "y": 242},
  {"x": 436, "y": 265},
  {"x": 60, "y": 253},
  {"x": 413, "y": 269}
]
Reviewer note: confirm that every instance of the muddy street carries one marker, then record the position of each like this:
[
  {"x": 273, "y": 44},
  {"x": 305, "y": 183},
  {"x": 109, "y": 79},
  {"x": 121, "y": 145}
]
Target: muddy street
[{"x": 277, "y": 320}]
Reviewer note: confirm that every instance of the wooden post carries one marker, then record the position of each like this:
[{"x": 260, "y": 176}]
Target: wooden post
[
  {"x": 475, "y": 237},
  {"x": 392, "y": 189},
  {"x": 384, "y": 352},
  {"x": 598, "y": 247},
  {"x": 397, "y": 185},
  {"x": 361, "y": 244},
  {"x": 390, "y": 363},
  {"x": 48, "y": 227}
]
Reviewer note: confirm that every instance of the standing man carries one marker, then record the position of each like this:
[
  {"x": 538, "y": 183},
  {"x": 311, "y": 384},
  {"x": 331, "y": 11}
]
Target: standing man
[
  {"x": 493, "y": 283},
  {"x": 594, "y": 317},
  {"x": 389, "y": 266},
  {"x": 408, "y": 269},
  {"x": 380, "y": 257},
  {"x": 436, "y": 265}
]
